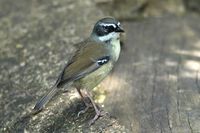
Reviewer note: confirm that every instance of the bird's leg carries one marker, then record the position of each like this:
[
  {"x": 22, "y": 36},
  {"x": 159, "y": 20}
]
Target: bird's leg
[
  {"x": 98, "y": 112},
  {"x": 88, "y": 105}
]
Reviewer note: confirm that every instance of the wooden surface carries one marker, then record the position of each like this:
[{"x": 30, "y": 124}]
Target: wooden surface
[
  {"x": 36, "y": 40},
  {"x": 155, "y": 86}
]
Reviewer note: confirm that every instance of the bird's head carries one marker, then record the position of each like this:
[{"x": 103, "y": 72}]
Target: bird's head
[{"x": 106, "y": 29}]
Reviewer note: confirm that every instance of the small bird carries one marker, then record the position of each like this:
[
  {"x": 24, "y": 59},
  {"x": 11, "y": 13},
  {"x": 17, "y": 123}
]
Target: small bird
[{"x": 92, "y": 61}]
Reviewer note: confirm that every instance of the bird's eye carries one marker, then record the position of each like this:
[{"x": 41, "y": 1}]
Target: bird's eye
[
  {"x": 105, "y": 27},
  {"x": 109, "y": 28}
]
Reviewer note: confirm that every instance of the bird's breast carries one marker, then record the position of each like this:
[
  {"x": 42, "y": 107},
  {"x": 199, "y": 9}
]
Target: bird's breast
[
  {"x": 93, "y": 79},
  {"x": 115, "y": 51}
]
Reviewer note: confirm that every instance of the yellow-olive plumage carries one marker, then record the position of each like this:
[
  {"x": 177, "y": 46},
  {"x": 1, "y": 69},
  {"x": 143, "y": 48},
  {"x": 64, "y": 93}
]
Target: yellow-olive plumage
[
  {"x": 93, "y": 79},
  {"x": 91, "y": 63}
]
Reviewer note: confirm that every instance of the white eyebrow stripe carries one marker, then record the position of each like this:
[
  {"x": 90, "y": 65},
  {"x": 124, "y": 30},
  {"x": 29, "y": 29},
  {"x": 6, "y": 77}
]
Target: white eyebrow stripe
[
  {"x": 103, "y": 24},
  {"x": 118, "y": 23}
]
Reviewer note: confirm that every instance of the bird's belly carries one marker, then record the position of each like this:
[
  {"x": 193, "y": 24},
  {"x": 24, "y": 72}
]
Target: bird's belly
[{"x": 93, "y": 79}]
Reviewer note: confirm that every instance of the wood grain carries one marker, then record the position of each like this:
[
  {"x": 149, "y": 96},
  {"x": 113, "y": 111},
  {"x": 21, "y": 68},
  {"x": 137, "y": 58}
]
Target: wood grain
[{"x": 155, "y": 85}]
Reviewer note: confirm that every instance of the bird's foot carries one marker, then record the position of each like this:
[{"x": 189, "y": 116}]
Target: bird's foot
[
  {"x": 99, "y": 113},
  {"x": 84, "y": 110}
]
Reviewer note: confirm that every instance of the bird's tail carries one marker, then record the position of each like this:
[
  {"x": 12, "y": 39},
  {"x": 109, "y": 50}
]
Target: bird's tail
[{"x": 45, "y": 99}]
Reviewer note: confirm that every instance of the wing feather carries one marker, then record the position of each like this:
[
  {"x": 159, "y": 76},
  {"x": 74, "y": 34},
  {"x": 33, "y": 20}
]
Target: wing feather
[{"x": 83, "y": 62}]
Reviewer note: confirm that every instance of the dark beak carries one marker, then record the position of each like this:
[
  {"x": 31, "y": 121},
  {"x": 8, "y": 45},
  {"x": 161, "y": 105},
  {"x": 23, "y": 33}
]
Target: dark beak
[{"x": 119, "y": 29}]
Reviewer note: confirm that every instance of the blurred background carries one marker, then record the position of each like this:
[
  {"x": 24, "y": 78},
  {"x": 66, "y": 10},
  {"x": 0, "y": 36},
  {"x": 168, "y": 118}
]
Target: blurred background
[{"x": 155, "y": 86}]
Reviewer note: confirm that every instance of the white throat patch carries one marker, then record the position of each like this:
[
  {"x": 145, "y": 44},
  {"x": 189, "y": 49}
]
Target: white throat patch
[{"x": 110, "y": 36}]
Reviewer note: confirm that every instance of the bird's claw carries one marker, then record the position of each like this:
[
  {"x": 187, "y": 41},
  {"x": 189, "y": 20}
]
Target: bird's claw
[
  {"x": 98, "y": 114},
  {"x": 83, "y": 111}
]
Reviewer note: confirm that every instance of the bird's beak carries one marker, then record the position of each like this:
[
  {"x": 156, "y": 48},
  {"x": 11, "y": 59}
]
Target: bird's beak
[{"x": 119, "y": 29}]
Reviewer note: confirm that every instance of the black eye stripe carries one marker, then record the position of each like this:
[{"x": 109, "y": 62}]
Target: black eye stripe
[
  {"x": 102, "y": 29},
  {"x": 109, "y": 28}
]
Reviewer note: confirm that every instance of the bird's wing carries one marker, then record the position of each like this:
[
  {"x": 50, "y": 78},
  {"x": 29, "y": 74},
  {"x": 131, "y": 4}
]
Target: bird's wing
[{"x": 87, "y": 59}]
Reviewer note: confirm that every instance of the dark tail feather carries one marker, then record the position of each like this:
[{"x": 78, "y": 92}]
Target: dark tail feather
[{"x": 45, "y": 99}]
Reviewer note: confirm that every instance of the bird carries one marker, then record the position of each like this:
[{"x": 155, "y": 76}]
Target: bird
[{"x": 91, "y": 62}]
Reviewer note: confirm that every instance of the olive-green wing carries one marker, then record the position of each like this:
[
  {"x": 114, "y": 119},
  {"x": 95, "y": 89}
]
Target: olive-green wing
[{"x": 87, "y": 59}]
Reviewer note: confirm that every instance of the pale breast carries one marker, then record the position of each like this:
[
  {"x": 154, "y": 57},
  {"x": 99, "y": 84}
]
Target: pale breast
[
  {"x": 116, "y": 49},
  {"x": 93, "y": 79}
]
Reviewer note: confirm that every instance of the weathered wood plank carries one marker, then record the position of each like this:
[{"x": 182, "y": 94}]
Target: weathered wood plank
[{"x": 153, "y": 87}]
